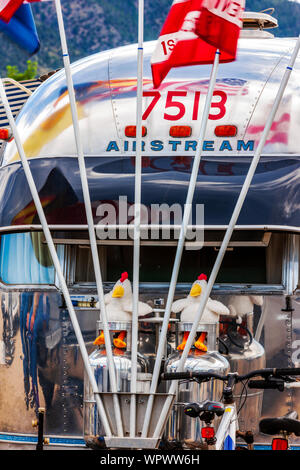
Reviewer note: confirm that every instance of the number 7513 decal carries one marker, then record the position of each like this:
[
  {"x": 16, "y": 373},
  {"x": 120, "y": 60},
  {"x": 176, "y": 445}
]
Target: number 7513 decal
[{"x": 173, "y": 102}]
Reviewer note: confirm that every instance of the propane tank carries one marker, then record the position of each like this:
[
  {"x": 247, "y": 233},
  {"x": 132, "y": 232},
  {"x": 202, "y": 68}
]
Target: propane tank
[
  {"x": 93, "y": 428},
  {"x": 244, "y": 354},
  {"x": 182, "y": 428}
]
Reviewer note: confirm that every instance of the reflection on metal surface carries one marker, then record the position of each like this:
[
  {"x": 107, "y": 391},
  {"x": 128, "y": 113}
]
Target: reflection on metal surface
[
  {"x": 219, "y": 181},
  {"x": 43, "y": 365},
  {"x": 93, "y": 427},
  {"x": 41, "y": 361},
  {"x": 251, "y": 359},
  {"x": 180, "y": 427},
  {"x": 244, "y": 354},
  {"x": 105, "y": 90}
]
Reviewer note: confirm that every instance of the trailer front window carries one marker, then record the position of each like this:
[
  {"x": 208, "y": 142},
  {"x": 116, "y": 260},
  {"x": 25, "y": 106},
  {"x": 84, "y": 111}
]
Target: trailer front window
[{"x": 24, "y": 259}]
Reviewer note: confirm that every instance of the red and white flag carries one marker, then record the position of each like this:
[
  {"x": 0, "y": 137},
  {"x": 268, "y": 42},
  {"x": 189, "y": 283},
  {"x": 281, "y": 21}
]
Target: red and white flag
[
  {"x": 8, "y": 8},
  {"x": 193, "y": 31}
]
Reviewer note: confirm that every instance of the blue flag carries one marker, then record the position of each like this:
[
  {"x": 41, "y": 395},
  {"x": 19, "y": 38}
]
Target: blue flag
[{"x": 21, "y": 29}]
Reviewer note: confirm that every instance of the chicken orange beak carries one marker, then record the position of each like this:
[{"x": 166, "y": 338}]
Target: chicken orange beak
[
  {"x": 195, "y": 290},
  {"x": 118, "y": 292}
]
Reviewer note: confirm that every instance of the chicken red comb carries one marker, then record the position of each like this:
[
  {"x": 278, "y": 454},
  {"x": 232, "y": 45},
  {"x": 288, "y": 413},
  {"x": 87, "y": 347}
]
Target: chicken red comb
[
  {"x": 202, "y": 276},
  {"x": 124, "y": 276}
]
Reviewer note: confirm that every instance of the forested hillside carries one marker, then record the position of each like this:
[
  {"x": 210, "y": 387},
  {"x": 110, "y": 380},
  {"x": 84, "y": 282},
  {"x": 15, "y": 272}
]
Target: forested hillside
[{"x": 95, "y": 25}]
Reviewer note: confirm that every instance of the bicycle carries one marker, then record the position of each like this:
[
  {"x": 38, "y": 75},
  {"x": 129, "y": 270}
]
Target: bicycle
[{"x": 225, "y": 437}]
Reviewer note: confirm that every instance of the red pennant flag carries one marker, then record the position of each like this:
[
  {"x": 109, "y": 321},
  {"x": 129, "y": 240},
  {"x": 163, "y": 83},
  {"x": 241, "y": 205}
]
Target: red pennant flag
[
  {"x": 8, "y": 9},
  {"x": 193, "y": 31}
]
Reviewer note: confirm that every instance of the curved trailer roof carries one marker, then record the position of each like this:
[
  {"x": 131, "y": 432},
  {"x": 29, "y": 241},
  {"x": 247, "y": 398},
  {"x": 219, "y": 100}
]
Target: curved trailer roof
[{"x": 105, "y": 85}]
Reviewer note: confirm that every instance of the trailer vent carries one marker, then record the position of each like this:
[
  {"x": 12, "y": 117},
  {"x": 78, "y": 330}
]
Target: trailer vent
[
  {"x": 259, "y": 20},
  {"x": 255, "y": 24}
]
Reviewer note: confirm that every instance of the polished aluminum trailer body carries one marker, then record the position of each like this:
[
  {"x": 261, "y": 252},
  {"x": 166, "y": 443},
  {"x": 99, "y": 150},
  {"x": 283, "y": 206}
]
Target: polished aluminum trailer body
[{"x": 40, "y": 363}]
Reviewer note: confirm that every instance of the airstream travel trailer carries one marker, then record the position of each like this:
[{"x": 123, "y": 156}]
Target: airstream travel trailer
[{"x": 40, "y": 361}]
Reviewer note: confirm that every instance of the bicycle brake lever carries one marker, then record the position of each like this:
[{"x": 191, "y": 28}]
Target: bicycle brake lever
[
  {"x": 200, "y": 380},
  {"x": 288, "y": 378}
]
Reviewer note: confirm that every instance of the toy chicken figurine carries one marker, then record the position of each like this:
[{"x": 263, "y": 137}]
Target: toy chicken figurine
[
  {"x": 119, "y": 308},
  {"x": 189, "y": 307},
  {"x": 240, "y": 305}
]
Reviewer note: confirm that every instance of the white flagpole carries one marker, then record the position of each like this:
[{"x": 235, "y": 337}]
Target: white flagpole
[
  {"x": 62, "y": 282},
  {"x": 228, "y": 234},
  {"x": 137, "y": 218},
  {"x": 180, "y": 245},
  {"x": 89, "y": 215}
]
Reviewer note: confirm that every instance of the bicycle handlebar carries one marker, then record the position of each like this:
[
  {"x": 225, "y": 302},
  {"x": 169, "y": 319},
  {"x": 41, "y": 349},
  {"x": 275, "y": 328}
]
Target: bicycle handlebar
[
  {"x": 267, "y": 384},
  {"x": 238, "y": 378}
]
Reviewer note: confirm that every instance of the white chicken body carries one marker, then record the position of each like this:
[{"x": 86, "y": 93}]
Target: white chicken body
[
  {"x": 190, "y": 305},
  {"x": 240, "y": 305},
  {"x": 115, "y": 311},
  {"x": 119, "y": 303},
  {"x": 210, "y": 315}
]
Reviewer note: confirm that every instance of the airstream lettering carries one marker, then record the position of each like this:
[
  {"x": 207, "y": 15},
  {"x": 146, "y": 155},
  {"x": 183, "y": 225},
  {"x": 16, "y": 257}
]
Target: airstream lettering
[
  {"x": 258, "y": 283},
  {"x": 183, "y": 146}
]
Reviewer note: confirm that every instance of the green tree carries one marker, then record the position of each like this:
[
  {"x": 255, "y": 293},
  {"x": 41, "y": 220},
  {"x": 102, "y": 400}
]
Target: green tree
[{"x": 13, "y": 72}]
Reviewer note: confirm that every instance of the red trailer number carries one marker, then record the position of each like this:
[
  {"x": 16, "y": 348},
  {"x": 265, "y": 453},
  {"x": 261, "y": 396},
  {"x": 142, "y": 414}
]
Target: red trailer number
[{"x": 175, "y": 108}]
